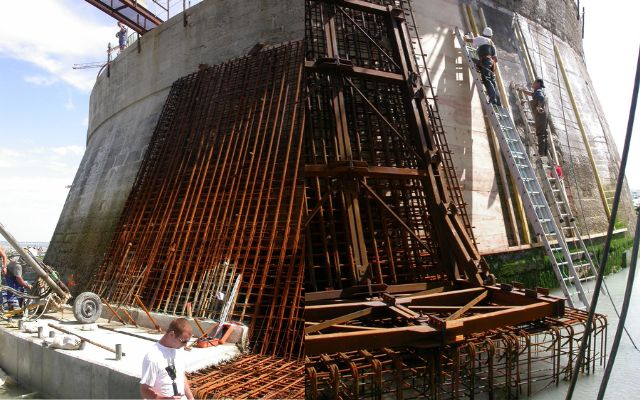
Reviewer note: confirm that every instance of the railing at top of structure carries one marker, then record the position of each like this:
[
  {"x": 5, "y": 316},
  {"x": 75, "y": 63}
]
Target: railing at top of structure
[
  {"x": 169, "y": 8},
  {"x": 143, "y": 17},
  {"x": 156, "y": 8}
]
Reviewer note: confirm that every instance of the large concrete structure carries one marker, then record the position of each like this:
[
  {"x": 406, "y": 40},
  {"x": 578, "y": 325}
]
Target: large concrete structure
[{"x": 126, "y": 103}]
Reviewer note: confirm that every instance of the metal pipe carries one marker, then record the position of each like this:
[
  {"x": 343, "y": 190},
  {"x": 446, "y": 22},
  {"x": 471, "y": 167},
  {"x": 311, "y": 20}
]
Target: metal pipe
[
  {"x": 634, "y": 251},
  {"x": 28, "y": 258},
  {"x": 83, "y": 338},
  {"x": 605, "y": 250}
]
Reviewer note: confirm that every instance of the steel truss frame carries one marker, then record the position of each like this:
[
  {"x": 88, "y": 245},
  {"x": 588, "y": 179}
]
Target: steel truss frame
[
  {"x": 383, "y": 213},
  {"x": 509, "y": 361},
  {"x": 129, "y": 12}
]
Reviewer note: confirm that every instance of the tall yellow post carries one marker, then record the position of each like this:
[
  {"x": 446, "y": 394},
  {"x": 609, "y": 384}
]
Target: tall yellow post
[
  {"x": 583, "y": 131},
  {"x": 516, "y": 195}
]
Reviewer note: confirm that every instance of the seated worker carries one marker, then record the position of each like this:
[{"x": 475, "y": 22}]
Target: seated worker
[
  {"x": 14, "y": 280},
  {"x": 487, "y": 60}
]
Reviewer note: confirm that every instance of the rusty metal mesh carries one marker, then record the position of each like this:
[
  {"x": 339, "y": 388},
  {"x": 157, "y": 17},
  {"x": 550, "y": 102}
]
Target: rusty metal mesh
[{"x": 219, "y": 196}]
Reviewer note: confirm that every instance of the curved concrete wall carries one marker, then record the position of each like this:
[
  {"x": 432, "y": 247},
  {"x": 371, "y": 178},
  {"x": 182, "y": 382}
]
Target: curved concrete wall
[
  {"x": 462, "y": 116},
  {"x": 125, "y": 107}
]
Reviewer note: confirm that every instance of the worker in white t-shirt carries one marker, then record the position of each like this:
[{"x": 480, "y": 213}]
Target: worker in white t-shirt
[
  {"x": 163, "y": 368},
  {"x": 487, "y": 60}
]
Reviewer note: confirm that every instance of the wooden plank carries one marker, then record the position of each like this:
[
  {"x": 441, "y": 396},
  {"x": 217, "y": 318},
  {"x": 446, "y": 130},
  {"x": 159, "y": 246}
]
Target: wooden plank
[
  {"x": 467, "y": 306},
  {"x": 338, "y": 320}
]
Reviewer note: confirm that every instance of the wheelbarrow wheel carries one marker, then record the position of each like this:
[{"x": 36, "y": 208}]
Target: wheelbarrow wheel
[{"x": 87, "y": 307}]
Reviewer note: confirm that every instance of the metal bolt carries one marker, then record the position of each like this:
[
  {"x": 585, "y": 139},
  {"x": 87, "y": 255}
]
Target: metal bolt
[
  {"x": 118, "y": 352},
  {"x": 52, "y": 334},
  {"x": 41, "y": 332},
  {"x": 83, "y": 344}
]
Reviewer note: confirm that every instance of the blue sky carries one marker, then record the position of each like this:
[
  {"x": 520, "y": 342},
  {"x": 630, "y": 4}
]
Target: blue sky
[
  {"x": 44, "y": 102},
  {"x": 44, "y": 107}
]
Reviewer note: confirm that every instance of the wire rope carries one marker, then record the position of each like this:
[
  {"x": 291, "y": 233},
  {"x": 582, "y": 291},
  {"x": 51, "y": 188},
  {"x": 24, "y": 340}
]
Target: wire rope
[{"x": 605, "y": 255}]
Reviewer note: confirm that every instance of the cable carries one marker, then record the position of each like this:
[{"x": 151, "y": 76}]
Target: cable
[
  {"x": 579, "y": 202},
  {"x": 605, "y": 255},
  {"x": 634, "y": 252}
]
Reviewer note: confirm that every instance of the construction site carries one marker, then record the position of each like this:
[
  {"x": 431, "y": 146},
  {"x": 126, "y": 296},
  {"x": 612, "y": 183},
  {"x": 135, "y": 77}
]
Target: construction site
[{"x": 320, "y": 182}]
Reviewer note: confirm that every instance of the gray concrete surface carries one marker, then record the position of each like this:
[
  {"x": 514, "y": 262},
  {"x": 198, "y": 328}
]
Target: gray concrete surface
[{"x": 92, "y": 372}]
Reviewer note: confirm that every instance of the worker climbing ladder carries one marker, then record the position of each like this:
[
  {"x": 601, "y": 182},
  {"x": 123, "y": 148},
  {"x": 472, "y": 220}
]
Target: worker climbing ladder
[
  {"x": 536, "y": 207},
  {"x": 556, "y": 195}
]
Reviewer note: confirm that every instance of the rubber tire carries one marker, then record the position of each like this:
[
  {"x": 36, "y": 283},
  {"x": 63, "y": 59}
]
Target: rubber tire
[{"x": 87, "y": 307}]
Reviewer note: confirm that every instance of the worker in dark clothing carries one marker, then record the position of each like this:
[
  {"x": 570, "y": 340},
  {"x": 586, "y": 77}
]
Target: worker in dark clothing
[
  {"x": 487, "y": 60},
  {"x": 539, "y": 109},
  {"x": 14, "y": 280},
  {"x": 122, "y": 36}
]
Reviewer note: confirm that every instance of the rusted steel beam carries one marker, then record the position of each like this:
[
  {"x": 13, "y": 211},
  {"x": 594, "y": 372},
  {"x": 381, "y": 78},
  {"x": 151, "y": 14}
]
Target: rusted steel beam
[
  {"x": 450, "y": 309},
  {"x": 372, "y": 339},
  {"x": 364, "y": 171},
  {"x": 136, "y": 16},
  {"x": 332, "y": 66},
  {"x": 443, "y": 331}
]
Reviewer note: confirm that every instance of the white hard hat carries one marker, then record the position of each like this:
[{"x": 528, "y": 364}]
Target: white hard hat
[{"x": 488, "y": 32}]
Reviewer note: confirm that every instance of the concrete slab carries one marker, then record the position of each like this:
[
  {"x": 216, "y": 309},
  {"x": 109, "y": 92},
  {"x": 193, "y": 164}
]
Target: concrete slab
[{"x": 92, "y": 372}]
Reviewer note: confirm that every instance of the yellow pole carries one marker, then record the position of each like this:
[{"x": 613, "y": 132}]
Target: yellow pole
[
  {"x": 532, "y": 76},
  {"x": 525, "y": 51},
  {"x": 516, "y": 195},
  {"x": 472, "y": 21},
  {"x": 582, "y": 131}
]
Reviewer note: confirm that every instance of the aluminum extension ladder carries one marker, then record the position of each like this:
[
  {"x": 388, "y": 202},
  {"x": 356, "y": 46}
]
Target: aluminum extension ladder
[
  {"x": 535, "y": 204},
  {"x": 556, "y": 195}
]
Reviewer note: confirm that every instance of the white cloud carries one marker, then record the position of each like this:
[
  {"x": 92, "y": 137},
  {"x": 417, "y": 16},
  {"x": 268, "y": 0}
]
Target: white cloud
[
  {"x": 8, "y": 157},
  {"x": 68, "y": 150},
  {"x": 36, "y": 179},
  {"x": 57, "y": 36},
  {"x": 40, "y": 80}
]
